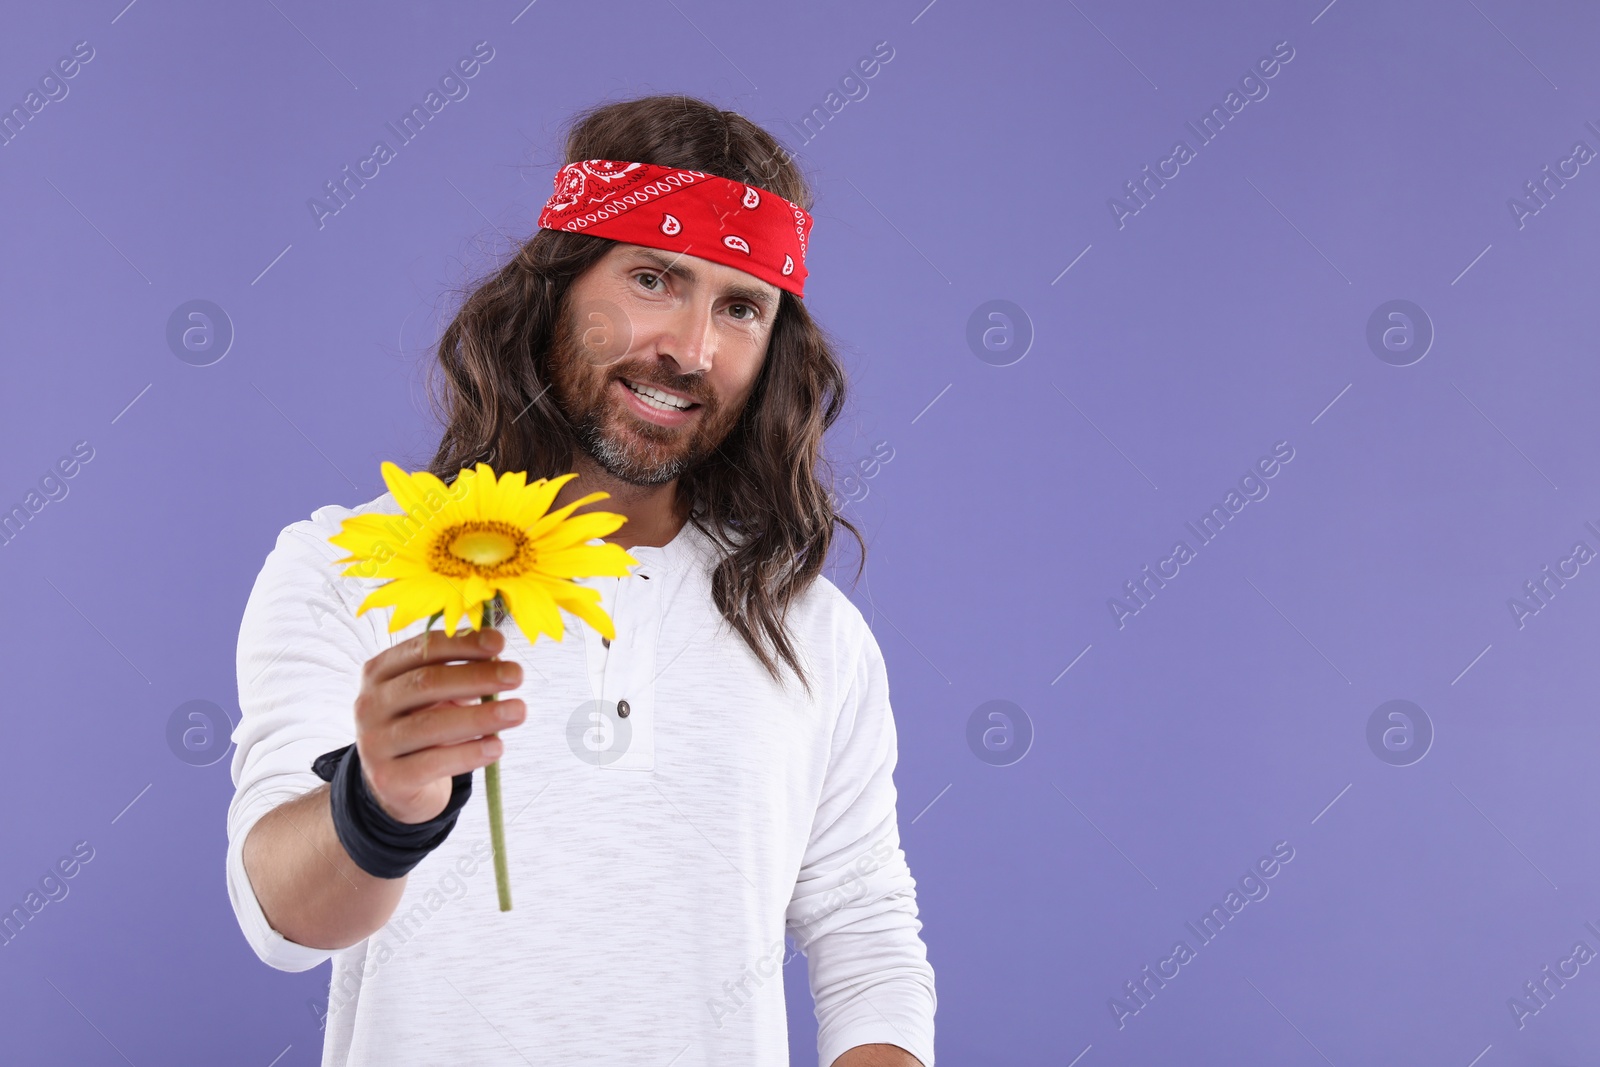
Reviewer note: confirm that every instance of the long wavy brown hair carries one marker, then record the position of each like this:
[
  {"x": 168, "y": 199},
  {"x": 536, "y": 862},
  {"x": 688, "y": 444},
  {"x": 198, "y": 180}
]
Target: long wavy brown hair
[{"x": 761, "y": 496}]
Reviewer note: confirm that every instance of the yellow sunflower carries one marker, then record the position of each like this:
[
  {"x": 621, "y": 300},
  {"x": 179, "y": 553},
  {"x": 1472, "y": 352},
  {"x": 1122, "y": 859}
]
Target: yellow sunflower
[
  {"x": 484, "y": 536},
  {"x": 482, "y": 541}
]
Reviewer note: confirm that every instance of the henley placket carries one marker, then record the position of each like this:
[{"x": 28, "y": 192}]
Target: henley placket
[{"x": 622, "y": 672}]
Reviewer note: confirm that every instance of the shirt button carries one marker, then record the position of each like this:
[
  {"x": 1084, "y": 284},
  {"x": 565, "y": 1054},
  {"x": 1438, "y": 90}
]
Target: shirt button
[
  {"x": 606, "y": 641},
  {"x": 622, "y": 708}
]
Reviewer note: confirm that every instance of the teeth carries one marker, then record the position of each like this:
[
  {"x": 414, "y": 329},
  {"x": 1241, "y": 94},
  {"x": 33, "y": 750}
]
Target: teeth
[{"x": 659, "y": 399}]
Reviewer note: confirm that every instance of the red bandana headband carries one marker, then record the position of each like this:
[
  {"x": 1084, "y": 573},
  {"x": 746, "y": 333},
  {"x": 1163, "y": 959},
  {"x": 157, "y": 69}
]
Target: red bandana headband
[{"x": 687, "y": 211}]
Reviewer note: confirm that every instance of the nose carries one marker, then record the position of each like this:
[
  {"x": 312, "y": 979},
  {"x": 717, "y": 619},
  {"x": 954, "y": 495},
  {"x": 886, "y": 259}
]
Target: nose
[{"x": 690, "y": 341}]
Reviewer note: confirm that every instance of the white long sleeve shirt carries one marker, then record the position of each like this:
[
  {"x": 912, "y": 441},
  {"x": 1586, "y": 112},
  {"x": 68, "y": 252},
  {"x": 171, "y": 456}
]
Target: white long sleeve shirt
[{"x": 657, "y": 859}]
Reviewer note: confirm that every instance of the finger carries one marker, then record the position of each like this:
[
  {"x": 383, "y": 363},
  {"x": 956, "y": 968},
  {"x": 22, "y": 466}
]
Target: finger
[
  {"x": 433, "y": 646},
  {"x": 437, "y": 682},
  {"x": 417, "y": 789},
  {"x": 431, "y": 764},
  {"x": 445, "y": 725}
]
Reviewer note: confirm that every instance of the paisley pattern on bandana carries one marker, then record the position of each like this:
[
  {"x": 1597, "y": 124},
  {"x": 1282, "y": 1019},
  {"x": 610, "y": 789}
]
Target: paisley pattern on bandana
[{"x": 715, "y": 218}]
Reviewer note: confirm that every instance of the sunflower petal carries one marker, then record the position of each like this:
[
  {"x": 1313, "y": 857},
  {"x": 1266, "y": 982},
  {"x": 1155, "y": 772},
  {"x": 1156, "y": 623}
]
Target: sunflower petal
[
  {"x": 475, "y": 590},
  {"x": 455, "y": 609},
  {"x": 361, "y": 535},
  {"x": 411, "y": 598},
  {"x": 533, "y": 609},
  {"x": 480, "y": 488},
  {"x": 400, "y": 486},
  {"x": 396, "y": 566},
  {"x": 581, "y": 600},
  {"x": 402, "y": 567},
  {"x": 582, "y": 561},
  {"x": 560, "y": 515},
  {"x": 589, "y": 610},
  {"x": 578, "y": 529},
  {"x": 536, "y": 499},
  {"x": 511, "y": 487},
  {"x": 409, "y": 489}
]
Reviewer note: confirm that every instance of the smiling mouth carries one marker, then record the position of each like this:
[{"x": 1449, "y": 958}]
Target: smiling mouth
[{"x": 659, "y": 399}]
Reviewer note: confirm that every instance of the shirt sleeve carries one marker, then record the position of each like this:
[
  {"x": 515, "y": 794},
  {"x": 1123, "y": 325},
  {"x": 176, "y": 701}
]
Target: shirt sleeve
[
  {"x": 854, "y": 909},
  {"x": 300, "y": 654}
]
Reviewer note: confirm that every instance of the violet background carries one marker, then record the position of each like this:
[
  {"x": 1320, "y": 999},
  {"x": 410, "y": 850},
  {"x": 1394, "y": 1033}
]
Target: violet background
[{"x": 1228, "y": 314}]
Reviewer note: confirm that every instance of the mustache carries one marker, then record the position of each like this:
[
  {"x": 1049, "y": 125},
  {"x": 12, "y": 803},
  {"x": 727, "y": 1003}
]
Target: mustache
[{"x": 690, "y": 390}]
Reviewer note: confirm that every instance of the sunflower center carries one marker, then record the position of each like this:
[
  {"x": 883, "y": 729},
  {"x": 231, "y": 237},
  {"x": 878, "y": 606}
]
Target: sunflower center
[{"x": 484, "y": 547}]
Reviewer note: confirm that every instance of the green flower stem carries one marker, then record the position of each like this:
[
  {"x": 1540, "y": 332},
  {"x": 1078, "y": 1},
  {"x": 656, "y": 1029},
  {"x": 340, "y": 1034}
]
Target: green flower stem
[
  {"x": 491, "y": 785},
  {"x": 497, "y": 832}
]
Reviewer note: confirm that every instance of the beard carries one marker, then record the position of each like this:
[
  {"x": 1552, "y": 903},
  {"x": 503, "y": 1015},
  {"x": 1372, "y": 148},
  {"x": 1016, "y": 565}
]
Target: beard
[{"x": 624, "y": 445}]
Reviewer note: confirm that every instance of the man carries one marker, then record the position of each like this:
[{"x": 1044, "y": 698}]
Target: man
[{"x": 676, "y": 799}]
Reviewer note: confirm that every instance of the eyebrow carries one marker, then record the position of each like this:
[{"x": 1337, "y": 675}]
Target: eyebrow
[{"x": 756, "y": 296}]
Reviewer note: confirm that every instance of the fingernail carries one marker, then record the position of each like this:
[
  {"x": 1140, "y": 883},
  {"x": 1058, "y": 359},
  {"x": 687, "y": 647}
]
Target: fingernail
[
  {"x": 509, "y": 712},
  {"x": 508, "y": 671}
]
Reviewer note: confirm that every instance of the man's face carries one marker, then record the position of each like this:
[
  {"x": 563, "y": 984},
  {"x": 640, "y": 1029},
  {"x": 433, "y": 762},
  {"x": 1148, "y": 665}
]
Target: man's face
[{"x": 668, "y": 321}]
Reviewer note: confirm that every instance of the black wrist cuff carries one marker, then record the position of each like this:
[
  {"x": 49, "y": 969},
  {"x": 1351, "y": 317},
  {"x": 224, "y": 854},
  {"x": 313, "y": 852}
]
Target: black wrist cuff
[{"x": 376, "y": 842}]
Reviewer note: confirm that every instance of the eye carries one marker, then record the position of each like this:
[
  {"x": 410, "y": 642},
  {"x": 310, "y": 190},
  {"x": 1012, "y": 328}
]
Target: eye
[
  {"x": 647, "y": 274},
  {"x": 755, "y": 312}
]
